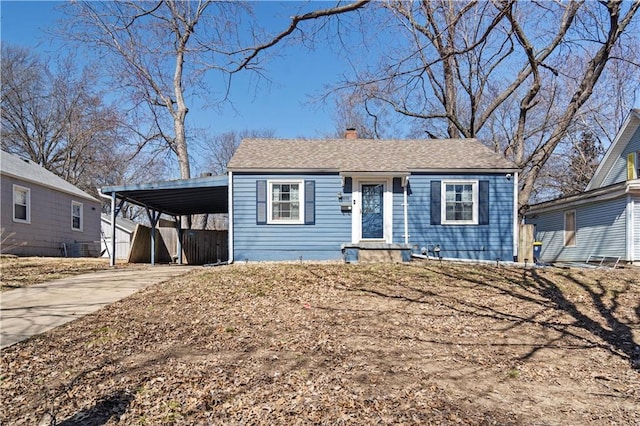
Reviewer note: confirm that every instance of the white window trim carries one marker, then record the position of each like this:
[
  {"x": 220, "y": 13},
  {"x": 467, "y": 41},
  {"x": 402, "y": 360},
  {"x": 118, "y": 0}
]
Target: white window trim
[
  {"x": 301, "y": 201},
  {"x": 443, "y": 202},
  {"x": 575, "y": 229},
  {"x": 13, "y": 206},
  {"x": 73, "y": 204}
]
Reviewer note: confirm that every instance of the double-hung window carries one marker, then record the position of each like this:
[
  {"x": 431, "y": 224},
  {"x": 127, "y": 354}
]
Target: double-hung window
[
  {"x": 76, "y": 216},
  {"x": 21, "y": 204},
  {"x": 460, "y": 202},
  {"x": 570, "y": 228},
  {"x": 286, "y": 201}
]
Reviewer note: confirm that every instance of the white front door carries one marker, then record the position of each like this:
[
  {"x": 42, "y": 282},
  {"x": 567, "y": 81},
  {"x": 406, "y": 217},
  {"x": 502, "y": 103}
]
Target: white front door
[{"x": 373, "y": 210}]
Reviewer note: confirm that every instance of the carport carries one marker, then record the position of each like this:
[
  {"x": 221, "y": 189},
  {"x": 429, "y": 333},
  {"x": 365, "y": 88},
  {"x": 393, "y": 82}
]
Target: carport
[{"x": 177, "y": 198}]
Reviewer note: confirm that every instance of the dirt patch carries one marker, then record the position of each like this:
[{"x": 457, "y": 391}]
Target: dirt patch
[
  {"x": 16, "y": 272},
  {"x": 423, "y": 343}
]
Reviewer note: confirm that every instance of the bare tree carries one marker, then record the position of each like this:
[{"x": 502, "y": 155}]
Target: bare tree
[
  {"x": 569, "y": 171},
  {"x": 55, "y": 116},
  {"x": 160, "y": 51},
  {"x": 222, "y": 146},
  {"x": 518, "y": 75}
]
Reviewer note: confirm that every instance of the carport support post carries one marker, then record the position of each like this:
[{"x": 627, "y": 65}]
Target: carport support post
[
  {"x": 178, "y": 223},
  {"x": 153, "y": 219}
]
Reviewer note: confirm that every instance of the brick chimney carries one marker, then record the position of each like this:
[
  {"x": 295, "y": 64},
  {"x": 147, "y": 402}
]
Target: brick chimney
[{"x": 351, "y": 133}]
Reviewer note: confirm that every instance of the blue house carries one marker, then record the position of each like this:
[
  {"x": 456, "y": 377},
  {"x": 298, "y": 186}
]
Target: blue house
[
  {"x": 604, "y": 220},
  {"x": 296, "y": 199}
]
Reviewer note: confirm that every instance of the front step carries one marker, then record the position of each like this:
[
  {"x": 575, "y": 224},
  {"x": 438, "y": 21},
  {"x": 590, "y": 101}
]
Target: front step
[{"x": 367, "y": 252}]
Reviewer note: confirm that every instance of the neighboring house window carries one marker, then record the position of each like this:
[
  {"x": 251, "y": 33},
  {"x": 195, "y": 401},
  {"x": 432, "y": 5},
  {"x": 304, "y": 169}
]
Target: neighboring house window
[
  {"x": 570, "y": 228},
  {"x": 460, "y": 202},
  {"x": 21, "y": 204},
  {"x": 76, "y": 216},
  {"x": 631, "y": 166},
  {"x": 286, "y": 201}
]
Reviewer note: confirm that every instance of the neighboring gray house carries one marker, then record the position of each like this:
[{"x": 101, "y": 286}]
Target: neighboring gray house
[
  {"x": 312, "y": 199},
  {"x": 124, "y": 234},
  {"x": 44, "y": 215},
  {"x": 605, "y": 219}
]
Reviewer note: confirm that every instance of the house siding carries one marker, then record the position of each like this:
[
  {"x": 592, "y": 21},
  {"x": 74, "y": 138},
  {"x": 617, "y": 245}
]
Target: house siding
[
  {"x": 50, "y": 224},
  {"x": 600, "y": 230},
  {"x": 618, "y": 172},
  {"x": 319, "y": 241},
  {"x": 332, "y": 228},
  {"x": 480, "y": 242}
]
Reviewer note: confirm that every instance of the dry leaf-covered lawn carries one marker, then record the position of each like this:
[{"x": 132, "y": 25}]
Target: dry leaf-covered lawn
[
  {"x": 18, "y": 272},
  {"x": 421, "y": 343}
]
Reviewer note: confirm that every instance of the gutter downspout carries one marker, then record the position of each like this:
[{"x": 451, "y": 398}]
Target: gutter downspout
[
  {"x": 516, "y": 221},
  {"x": 112, "y": 261},
  {"x": 630, "y": 249},
  {"x": 230, "y": 224},
  {"x": 406, "y": 209}
]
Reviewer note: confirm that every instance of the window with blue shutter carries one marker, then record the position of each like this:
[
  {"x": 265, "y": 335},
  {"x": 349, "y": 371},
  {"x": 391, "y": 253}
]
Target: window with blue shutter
[
  {"x": 285, "y": 202},
  {"x": 460, "y": 202}
]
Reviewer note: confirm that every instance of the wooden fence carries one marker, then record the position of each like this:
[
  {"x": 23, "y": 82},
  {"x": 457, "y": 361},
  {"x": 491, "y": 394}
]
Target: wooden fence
[
  {"x": 525, "y": 244},
  {"x": 199, "y": 247}
]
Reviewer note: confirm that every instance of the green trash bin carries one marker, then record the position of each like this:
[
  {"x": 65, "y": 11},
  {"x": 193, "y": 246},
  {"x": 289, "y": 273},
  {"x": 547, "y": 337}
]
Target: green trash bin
[{"x": 537, "y": 251}]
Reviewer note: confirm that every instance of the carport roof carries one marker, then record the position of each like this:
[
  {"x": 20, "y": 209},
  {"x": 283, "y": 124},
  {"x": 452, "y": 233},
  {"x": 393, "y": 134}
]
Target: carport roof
[{"x": 177, "y": 197}]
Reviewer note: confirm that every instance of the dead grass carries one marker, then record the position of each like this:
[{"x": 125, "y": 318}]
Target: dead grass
[
  {"x": 16, "y": 272},
  {"x": 422, "y": 343}
]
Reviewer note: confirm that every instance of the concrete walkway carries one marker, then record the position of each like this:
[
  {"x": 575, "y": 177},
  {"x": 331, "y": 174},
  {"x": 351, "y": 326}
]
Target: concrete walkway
[{"x": 25, "y": 312}]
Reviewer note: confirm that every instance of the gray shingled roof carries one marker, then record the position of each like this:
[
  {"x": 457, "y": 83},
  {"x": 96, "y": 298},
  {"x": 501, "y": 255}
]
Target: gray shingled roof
[
  {"x": 366, "y": 155},
  {"x": 28, "y": 171}
]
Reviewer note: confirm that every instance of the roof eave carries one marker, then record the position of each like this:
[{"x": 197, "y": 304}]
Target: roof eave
[
  {"x": 169, "y": 184},
  {"x": 385, "y": 172},
  {"x": 599, "y": 194},
  {"x": 82, "y": 194},
  {"x": 622, "y": 137}
]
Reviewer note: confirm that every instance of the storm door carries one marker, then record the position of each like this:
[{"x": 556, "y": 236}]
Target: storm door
[{"x": 372, "y": 211}]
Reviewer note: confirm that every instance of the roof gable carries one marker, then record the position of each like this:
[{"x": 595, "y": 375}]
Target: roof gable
[
  {"x": 28, "y": 171},
  {"x": 615, "y": 150},
  {"x": 363, "y": 155}
]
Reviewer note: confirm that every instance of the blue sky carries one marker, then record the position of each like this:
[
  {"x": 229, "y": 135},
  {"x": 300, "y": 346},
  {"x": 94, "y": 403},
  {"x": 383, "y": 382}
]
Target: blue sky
[{"x": 281, "y": 105}]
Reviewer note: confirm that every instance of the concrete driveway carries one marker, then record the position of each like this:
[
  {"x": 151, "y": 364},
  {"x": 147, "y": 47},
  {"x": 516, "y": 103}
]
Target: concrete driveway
[{"x": 25, "y": 312}]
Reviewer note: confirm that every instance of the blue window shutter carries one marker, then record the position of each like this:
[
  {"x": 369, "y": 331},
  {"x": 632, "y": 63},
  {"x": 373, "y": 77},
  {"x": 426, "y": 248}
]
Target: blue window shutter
[
  {"x": 397, "y": 185},
  {"x": 309, "y": 202},
  {"x": 348, "y": 185},
  {"x": 261, "y": 202},
  {"x": 435, "y": 202},
  {"x": 483, "y": 202}
]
